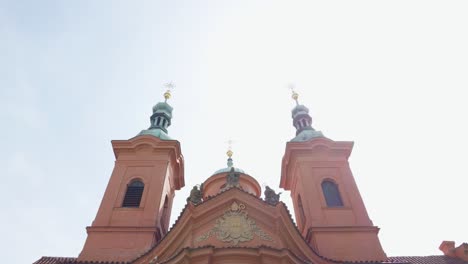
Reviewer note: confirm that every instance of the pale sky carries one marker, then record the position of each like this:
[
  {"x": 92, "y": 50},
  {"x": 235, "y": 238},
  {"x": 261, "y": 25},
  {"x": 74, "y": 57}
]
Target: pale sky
[{"x": 389, "y": 75}]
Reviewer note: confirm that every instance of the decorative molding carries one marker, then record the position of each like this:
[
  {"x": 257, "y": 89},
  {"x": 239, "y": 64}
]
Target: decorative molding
[{"x": 235, "y": 226}]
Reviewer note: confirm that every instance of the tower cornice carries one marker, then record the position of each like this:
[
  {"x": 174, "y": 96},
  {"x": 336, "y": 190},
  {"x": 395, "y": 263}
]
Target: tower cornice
[
  {"x": 314, "y": 149},
  {"x": 148, "y": 143}
]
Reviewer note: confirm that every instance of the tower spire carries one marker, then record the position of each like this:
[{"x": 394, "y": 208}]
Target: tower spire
[
  {"x": 160, "y": 120},
  {"x": 302, "y": 121},
  {"x": 229, "y": 153}
]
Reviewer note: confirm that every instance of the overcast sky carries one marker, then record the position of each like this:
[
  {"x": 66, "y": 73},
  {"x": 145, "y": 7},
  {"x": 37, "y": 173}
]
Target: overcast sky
[{"x": 389, "y": 75}]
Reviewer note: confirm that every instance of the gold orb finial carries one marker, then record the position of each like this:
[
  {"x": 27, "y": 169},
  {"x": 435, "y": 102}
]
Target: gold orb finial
[
  {"x": 169, "y": 87},
  {"x": 295, "y": 95},
  {"x": 167, "y": 94},
  {"x": 229, "y": 152}
]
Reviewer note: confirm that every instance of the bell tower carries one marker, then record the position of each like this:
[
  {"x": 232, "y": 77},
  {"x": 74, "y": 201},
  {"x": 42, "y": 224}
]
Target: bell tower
[
  {"x": 136, "y": 207},
  {"x": 329, "y": 210}
]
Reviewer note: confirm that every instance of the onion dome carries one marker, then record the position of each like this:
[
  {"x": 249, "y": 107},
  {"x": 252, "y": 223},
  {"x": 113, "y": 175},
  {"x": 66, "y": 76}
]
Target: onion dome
[
  {"x": 160, "y": 119},
  {"x": 302, "y": 121}
]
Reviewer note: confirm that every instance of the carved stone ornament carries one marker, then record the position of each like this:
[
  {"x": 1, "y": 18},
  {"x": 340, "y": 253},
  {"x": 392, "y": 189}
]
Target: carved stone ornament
[
  {"x": 270, "y": 196},
  {"x": 196, "y": 195},
  {"x": 235, "y": 226},
  {"x": 232, "y": 180}
]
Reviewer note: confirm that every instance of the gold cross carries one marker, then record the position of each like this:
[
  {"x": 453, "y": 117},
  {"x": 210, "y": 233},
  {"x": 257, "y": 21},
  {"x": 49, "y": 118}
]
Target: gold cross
[{"x": 169, "y": 86}]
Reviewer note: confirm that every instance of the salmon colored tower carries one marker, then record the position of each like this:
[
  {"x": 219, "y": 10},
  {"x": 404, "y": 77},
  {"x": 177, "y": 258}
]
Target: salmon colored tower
[
  {"x": 135, "y": 211},
  {"x": 329, "y": 210}
]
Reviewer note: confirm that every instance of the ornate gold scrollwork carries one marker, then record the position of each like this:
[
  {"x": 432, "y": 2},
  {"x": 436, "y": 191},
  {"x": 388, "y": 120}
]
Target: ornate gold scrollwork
[{"x": 235, "y": 226}]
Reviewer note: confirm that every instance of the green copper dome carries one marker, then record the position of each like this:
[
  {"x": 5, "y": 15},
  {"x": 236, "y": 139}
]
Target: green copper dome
[
  {"x": 160, "y": 120},
  {"x": 307, "y": 135},
  {"x": 230, "y": 166},
  {"x": 155, "y": 132},
  {"x": 163, "y": 108},
  {"x": 228, "y": 169},
  {"x": 302, "y": 121},
  {"x": 298, "y": 110}
]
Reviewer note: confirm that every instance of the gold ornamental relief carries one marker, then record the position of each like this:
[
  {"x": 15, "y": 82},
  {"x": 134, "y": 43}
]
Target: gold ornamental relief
[{"x": 235, "y": 226}]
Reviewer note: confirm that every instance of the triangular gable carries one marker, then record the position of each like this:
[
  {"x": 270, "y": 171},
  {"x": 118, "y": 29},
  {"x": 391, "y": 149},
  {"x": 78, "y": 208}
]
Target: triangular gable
[{"x": 233, "y": 219}]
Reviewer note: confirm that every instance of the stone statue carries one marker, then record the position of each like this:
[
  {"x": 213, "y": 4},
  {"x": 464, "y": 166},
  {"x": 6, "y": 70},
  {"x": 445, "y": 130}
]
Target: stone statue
[
  {"x": 270, "y": 196},
  {"x": 196, "y": 195},
  {"x": 232, "y": 180}
]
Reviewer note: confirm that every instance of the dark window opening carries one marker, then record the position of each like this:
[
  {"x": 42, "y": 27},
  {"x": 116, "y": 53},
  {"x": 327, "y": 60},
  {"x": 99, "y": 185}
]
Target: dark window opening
[
  {"x": 159, "y": 120},
  {"x": 332, "y": 194},
  {"x": 304, "y": 123},
  {"x": 164, "y": 123},
  {"x": 133, "y": 195}
]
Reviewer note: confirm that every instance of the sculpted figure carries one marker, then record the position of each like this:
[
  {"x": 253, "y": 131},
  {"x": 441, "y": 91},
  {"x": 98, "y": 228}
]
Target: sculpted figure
[
  {"x": 232, "y": 180},
  {"x": 270, "y": 196},
  {"x": 196, "y": 195}
]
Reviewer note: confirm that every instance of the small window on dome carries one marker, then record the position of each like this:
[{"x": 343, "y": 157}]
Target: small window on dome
[
  {"x": 332, "y": 194},
  {"x": 133, "y": 195}
]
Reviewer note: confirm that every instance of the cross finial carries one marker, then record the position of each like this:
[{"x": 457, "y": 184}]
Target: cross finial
[
  {"x": 169, "y": 86},
  {"x": 295, "y": 95},
  {"x": 229, "y": 152}
]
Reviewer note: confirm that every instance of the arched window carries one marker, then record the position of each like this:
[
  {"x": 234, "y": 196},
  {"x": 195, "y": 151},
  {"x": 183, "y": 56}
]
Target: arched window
[
  {"x": 301, "y": 209},
  {"x": 133, "y": 195},
  {"x": 332, "y": 194}
]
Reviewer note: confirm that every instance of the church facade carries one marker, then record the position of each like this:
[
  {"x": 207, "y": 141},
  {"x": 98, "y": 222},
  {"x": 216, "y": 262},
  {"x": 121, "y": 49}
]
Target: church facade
[{"x": 225, "y": 220}]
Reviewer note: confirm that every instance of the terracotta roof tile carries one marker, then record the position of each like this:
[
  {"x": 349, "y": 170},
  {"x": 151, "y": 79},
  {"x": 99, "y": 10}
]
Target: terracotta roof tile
[
  {"x": 53, "y": 260},
  {"x": 428, "y": 260},
  {"x": 61, "y": 260},
  {"x": 392, "y": 260}
]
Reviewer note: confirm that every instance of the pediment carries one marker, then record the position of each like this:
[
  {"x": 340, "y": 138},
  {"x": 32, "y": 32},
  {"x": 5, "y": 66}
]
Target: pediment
[{"x": 233, "y": 219}]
